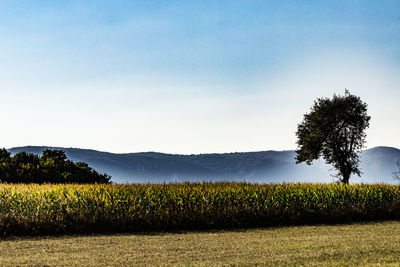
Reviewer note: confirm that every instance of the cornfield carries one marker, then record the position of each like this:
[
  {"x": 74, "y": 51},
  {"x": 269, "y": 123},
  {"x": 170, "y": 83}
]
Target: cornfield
[{"x": 58, "y": 209}]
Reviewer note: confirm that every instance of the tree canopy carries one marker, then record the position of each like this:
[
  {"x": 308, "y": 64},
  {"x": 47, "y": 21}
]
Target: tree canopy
[
  {"x": 334, "y": 129},
  {"x": 52, "y": 167}
]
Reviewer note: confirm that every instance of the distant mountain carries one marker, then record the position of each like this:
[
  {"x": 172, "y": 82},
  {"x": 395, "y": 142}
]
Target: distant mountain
[{"x": 377, "y": 165}]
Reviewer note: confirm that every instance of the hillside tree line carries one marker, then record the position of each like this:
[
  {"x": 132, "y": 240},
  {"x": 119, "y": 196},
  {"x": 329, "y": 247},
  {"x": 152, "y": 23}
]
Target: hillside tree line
[{"x": 52, "y": 167}]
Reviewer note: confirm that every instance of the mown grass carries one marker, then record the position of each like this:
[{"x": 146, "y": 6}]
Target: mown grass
[
  {"x": 333, "y": 245},
  {"x": 57, "y": 209}
]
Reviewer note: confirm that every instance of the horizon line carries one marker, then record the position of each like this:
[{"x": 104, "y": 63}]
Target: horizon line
[{"x": 183, "y": 154}]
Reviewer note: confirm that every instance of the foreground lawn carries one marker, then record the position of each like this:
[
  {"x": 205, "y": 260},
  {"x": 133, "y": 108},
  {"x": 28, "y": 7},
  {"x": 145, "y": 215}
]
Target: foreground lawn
[{"x": 356, "y": 244}]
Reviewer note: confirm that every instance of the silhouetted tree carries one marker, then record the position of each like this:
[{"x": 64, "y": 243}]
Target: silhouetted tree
[
  {"x": 25, "y": 168},
  {"x": 53, "y": 163},
  {"x": 335, "y": 130},
  {"x": 52, "y": 167},
  {"x": 4, "y": 165}
]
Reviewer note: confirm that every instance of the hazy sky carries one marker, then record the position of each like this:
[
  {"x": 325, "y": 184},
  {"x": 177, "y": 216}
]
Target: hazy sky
[{"x": 191, "y": 76}]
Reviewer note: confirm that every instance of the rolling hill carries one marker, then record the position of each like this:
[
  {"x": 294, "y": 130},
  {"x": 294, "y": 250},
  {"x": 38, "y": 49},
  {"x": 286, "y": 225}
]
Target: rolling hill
[{"x": 377, "y": 165}]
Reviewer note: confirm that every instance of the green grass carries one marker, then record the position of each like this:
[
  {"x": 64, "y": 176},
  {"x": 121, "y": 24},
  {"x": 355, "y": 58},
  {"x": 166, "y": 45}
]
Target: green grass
[{"x": 322, "y": 245}]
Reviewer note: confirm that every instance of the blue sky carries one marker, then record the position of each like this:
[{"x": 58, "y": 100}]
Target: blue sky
[{"x": 191, "y": 76}]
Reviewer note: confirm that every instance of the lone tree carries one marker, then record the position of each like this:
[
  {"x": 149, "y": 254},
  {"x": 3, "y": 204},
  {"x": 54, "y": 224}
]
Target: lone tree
[{"x": 335, "y": 129}]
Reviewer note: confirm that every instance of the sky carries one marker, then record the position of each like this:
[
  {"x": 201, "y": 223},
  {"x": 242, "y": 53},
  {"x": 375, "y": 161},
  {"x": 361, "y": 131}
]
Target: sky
[{"x": 191, "y": 77}]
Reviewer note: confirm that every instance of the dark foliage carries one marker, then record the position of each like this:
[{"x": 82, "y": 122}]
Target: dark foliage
[
  {"x": 52, "y": 167},
  {"x": 335, "y": 129}
]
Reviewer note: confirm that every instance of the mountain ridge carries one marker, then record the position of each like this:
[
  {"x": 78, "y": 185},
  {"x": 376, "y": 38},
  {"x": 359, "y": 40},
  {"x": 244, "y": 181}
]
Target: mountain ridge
[{"x": 377, "y": 164}]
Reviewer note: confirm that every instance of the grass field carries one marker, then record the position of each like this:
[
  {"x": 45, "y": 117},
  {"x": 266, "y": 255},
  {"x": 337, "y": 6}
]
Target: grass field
[{"x": 356, "y": 244}]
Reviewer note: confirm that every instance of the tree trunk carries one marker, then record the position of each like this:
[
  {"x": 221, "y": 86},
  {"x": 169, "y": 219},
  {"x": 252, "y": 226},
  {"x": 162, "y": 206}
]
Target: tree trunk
[{"x": 346, "y": 177}]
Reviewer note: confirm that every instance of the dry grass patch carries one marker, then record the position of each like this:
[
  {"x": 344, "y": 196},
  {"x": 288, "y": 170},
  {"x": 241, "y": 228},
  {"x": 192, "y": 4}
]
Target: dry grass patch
[{"x": 356, "y": 244}]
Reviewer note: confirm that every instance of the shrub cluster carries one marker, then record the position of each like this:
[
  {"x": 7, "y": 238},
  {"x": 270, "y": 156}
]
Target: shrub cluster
[
  {"x": 56, "y": 209},
  {"x": 52, "y": 167}
]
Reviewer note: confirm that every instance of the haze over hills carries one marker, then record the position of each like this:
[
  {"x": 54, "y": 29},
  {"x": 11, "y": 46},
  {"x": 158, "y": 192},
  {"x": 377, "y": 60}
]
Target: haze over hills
[{"x": 377, "y": 165}]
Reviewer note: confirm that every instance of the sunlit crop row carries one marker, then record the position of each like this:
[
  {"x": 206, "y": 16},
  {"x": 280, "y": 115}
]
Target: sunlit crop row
[{"x": 50, "y": 209}]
